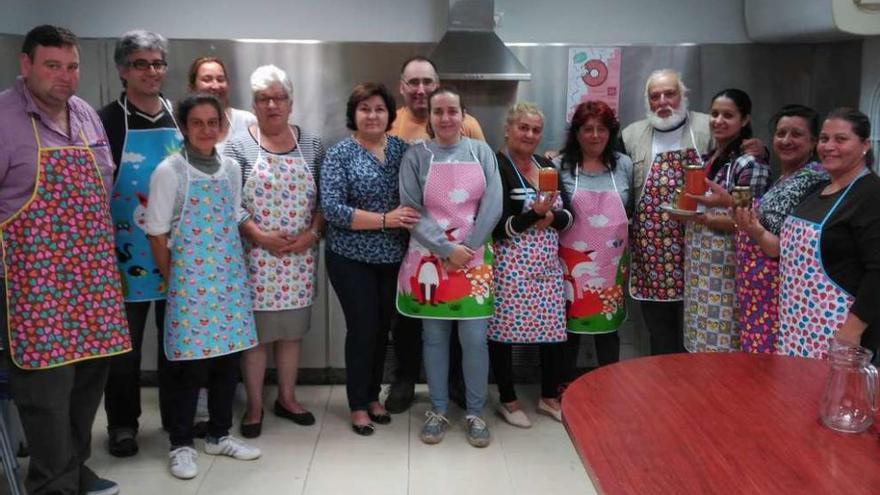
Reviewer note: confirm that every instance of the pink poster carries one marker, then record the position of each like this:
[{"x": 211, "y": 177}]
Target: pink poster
[{"x": 593, "y": 74}]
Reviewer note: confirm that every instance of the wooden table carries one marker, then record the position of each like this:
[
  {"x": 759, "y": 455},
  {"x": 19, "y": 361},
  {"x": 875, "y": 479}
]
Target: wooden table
[{"x": 715, "y": 423}]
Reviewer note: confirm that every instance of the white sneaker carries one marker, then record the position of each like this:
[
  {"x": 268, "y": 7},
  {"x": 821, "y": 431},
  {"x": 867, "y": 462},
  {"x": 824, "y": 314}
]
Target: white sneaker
[
  {"x": 182, "y": 463},
  {"x": 232, "y": 447}
]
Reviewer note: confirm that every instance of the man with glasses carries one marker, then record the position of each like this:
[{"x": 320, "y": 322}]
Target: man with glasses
[
  {"x": 418, "y": 77},
  {"x": 142, "y": 132}
]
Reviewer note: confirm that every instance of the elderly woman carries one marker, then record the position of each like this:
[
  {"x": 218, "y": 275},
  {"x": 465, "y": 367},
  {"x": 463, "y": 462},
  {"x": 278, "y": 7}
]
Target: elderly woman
[
  {"x": 795, "y": 129},
  {"x": 594, "y": 250},
  {"x": 208, "y": 75},
  {"x": 528, "y": 273},
  {"x": 446, "y": 275},
  {"x": 279, "y": 164},
  {"x": 830, "y": 248},
  {"x": 192, "y": 219},
  {"x": 366, "y": 239},
  {"x": 710, "y": 306}
]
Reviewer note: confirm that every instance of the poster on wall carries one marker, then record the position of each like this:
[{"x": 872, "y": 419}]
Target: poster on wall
[{"x": 593, "y": 74}]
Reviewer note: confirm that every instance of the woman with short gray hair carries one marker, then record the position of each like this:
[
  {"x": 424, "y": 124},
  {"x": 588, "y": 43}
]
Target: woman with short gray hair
[{"x": 279, "y": 164}]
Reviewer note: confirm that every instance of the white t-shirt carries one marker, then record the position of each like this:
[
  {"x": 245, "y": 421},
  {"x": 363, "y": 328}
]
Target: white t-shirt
[
  {"x": 168, "y": 191},
  {"x": 667, "y": 141},
  {"x": 239, "y": 121}
]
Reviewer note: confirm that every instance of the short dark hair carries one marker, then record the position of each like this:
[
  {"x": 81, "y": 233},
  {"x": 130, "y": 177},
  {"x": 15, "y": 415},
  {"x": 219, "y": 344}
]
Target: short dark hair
[
  {"x": 447, "y": 89},
  {"x": 861, "y": 127},
  {"x": 197, "y": 64},
  {"x": 418, "y": 58},
  {"x": 795, "y": 110},
  {"x": 47, "y": 35},
  {"x": 365, "y": 91},
  {"x": 185, "y": 106},
  {"x": 572, "y": 152}
]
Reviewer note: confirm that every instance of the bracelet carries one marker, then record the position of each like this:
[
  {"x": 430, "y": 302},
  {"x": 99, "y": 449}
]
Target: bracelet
[
  {"x": 383, "y": 222},
  {"x": 317, "y": 234}
]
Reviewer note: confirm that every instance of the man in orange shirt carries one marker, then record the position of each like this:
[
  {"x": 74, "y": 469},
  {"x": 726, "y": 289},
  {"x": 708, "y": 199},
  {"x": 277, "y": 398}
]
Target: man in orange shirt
[{"x": 418, "y": 78}]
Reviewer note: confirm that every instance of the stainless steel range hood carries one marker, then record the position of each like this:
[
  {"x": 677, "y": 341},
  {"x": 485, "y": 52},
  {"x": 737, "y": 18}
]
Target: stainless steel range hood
[{"x": 470, "y": 49}]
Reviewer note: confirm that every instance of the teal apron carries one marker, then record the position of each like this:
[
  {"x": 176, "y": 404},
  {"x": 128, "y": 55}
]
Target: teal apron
[{"x": 142, "y": 152}]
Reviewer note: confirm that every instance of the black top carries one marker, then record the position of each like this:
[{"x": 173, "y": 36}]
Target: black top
[
  {"x": 512, "y": 201},
  {"x": 113, "y": 118},
  {"x": 850, "y": 246}
]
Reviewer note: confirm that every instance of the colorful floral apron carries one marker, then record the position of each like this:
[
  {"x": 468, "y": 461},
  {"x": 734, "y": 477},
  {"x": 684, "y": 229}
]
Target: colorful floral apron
[
  {"x": 62, "y": 287},
  {"x": 757, "y": 294},
  {"x": 425, "y": 289},
  {"x": 593, "y": 251},
  {"x": 529, "y": 307},
  {"x": 142, "y": 151},
  {"x": 811, "y": 305},
  {"x": 209, "y": 304},
  {"x": 280, "y": 194},
  {"x": 710, "y": 307},
  {"x": 657, "y": 269}
]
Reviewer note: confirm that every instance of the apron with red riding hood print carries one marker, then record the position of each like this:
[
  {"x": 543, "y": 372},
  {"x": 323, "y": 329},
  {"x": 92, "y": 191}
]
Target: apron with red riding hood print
[
  {"x": 593, "y": 252},
  {"x": 528, "y": 282},
  {"x": 657, "y": 240},
  {"x": 425, "y": 288},
  {"x": 280, "y": 195},
  {"x": 63, "y": 291},
  {"x": 811, "y": 305}
]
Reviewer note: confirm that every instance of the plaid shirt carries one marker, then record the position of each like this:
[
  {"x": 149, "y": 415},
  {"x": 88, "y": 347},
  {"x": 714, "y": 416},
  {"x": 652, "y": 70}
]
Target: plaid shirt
[{"x": 743, "y": 170}]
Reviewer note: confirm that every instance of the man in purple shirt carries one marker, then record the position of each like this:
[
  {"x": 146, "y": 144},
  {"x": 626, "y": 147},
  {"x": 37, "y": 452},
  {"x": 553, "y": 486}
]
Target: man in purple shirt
[{"x": 62, "y": 310}]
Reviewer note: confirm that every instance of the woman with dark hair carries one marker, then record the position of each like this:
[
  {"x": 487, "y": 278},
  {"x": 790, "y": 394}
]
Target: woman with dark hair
[
  {"x": 366, "y": 240},
  {"x": 795, "y": 129},
  {"x": 830, "y": 248},
  {"x": 446, "y": 275},
  {"x": 209, "y": 75},
  {"x": 711, "y": 316},
  {"x": 192, "y": 219},
  {"x": 594, "y": 250},
  {"x": 529, "y": 302},
  {"x": 280, "y": 169}
]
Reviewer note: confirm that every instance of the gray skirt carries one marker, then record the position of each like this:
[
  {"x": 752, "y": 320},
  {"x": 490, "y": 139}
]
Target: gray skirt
[{"x": 289, "y": 324}]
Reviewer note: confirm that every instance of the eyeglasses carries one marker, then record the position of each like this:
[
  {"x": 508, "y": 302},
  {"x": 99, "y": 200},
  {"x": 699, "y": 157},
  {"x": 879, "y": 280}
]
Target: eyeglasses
[
  {"x": 142, "y": 64},
  {"x": 415, "y": 82},
  {"x": 263, "y": 101}
]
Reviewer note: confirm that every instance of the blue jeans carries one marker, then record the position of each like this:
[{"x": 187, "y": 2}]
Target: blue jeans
[{"x": 474, "y": 362}]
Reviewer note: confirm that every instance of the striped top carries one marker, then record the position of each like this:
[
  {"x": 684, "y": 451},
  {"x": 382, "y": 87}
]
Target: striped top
[{"x": 244, "y": 149}]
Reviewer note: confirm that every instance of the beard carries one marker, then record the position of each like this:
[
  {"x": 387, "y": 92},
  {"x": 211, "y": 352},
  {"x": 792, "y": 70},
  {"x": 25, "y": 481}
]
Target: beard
[{"x": 666, "y": 123}]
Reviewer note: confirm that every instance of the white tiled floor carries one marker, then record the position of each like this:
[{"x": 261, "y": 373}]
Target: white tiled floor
[{"x": 328, "y": 458}]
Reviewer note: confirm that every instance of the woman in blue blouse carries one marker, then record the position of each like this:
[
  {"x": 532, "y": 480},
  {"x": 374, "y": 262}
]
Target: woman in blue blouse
[{"x": 366, "y": 242}]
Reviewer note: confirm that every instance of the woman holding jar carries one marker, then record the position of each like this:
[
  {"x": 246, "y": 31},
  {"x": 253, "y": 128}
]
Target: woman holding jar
[
  {"x": 279, "y": 164},
  {"x": 795, "y": 130},
  {"x": 366, "y": 239},
  {"x": 594, "y": 250},
  {"x": 711, "y": 314},
  {"x": 447, "y": 272},
  {"x": 208, "y": 75},
  {"x": 830, "y": 248},
  {"x": 529, "y": 300}
]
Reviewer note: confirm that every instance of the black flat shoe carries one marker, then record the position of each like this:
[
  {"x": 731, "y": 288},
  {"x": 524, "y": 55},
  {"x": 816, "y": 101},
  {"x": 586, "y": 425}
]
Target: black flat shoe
[
  {"x": 363, "y": 430},
  {"x": 382, "y": 419},
  {"x": 302, "y": 419},
  {"x": 252, "y": 430}
]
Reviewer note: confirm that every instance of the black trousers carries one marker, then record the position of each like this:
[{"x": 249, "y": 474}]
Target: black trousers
[
  {"x": 122, "y": 400},
  {"x": 501, "y": 359},
  {"x": 366, "y": 292},
  {"x": 665, "y": 323},
  {"x": 220, "y": 376},
  {"x": 607, "y": 352},
  {"x": 57, "y": 407}
]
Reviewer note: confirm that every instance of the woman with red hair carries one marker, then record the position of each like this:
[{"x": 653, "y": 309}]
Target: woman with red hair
[{"x": 594, "y": 250}]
